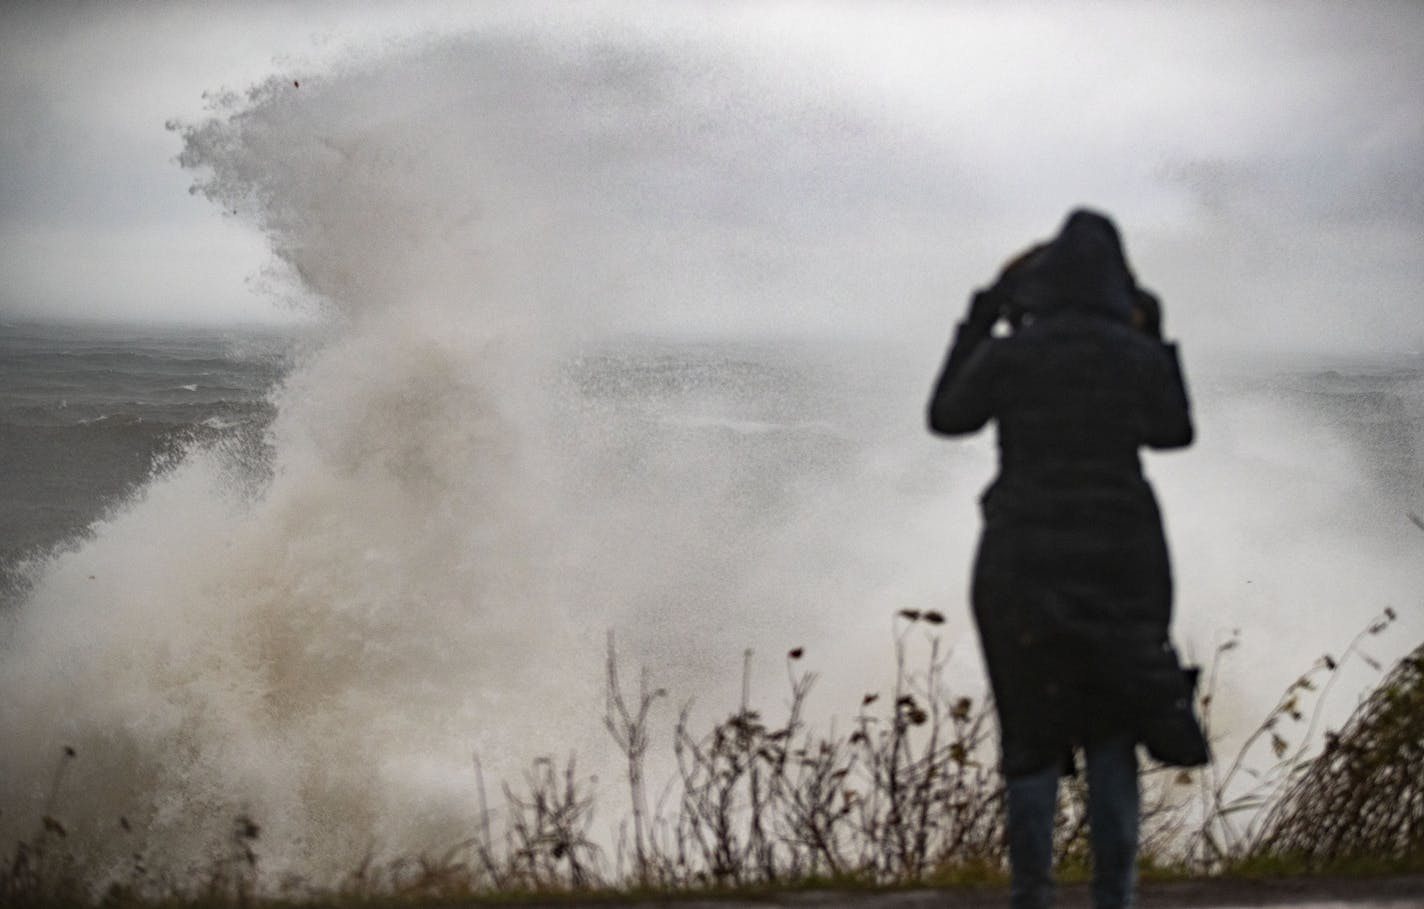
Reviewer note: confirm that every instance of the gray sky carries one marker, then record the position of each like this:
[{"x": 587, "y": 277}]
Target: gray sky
[{"x": 1266, "y": 161}]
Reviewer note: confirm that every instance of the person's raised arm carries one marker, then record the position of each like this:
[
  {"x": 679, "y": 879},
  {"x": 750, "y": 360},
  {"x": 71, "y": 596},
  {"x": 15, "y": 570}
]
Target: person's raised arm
[
  {"x": 1168, "y": 422},
  {"x": 1169, "y": 413},
  {"x": 960, "y": 402}
]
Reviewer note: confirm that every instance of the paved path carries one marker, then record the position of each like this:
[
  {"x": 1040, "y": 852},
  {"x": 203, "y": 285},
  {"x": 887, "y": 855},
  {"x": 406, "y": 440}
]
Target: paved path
[{"x": 1404, "y": 892}]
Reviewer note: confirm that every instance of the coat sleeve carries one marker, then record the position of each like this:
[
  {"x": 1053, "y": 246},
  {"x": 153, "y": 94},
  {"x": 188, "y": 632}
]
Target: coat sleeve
[
  {"x": 1169, "y": 417},
  {"x": 962, "y": 399}
]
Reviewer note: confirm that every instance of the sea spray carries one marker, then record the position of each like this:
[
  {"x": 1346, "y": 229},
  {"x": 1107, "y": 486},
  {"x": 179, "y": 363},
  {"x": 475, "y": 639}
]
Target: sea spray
[
  {"x": 430, "y": 567},
  {"x": 478, "y": 474}
]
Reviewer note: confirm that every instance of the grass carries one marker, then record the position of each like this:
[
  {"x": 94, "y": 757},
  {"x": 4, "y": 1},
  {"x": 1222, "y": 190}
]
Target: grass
[{"x": 907, "y": 797}]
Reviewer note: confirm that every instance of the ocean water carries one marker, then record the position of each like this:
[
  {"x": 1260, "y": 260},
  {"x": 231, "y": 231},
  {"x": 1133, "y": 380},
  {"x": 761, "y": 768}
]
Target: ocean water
[
  {"x": 306, "y": 580},
  {"x": 328, "y": 649},
  {"x": 91, "y": 412}
]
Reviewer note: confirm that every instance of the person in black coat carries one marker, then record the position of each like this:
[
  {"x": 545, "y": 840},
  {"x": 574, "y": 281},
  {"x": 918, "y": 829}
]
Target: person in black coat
[{"x": 1072, "y": 588}]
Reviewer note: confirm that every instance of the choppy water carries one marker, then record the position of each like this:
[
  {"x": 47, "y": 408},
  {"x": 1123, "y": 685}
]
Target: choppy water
[
  {"x": 240, "y": 589},
  {"x": 90, "y": 412}
]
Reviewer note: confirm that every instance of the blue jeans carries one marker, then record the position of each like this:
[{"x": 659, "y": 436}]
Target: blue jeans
[{"x": 1112, "y": 822}]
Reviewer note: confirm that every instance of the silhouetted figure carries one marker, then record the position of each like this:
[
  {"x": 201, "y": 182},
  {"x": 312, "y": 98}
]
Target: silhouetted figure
[{"x": 1072, "y": 590}]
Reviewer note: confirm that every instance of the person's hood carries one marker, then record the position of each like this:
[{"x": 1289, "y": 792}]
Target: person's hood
[{"x": 1083, "y": 268}]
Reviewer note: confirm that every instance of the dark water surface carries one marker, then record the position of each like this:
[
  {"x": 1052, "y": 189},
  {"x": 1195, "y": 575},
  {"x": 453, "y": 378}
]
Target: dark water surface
[
  {"x": 711, "y": 492},
  {"x": 89, "y": 411}
]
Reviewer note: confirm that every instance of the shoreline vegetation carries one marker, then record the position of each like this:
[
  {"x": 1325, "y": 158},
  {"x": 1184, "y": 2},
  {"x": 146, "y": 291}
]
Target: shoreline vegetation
[{"x": 909, "y": 798}]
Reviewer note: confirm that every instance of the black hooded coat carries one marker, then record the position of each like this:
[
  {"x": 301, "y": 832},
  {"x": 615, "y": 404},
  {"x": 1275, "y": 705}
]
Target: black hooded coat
[{"x": 1072, "y": 589}]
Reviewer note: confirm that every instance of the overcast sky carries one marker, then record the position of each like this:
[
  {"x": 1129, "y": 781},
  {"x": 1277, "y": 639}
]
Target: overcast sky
[{"x": 1276, "y": 148}]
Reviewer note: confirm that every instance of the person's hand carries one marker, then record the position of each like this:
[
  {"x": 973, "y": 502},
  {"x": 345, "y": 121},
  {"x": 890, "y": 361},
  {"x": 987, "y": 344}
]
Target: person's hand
[
  {"x": 1147, "y": 313},
  {"x": 985, "y": 308},
  {"x": 990, "y": 304}
]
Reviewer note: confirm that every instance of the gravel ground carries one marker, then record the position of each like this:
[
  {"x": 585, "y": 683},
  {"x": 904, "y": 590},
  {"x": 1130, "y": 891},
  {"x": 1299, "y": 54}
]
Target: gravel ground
[{"x": 1403, "y": 892}]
